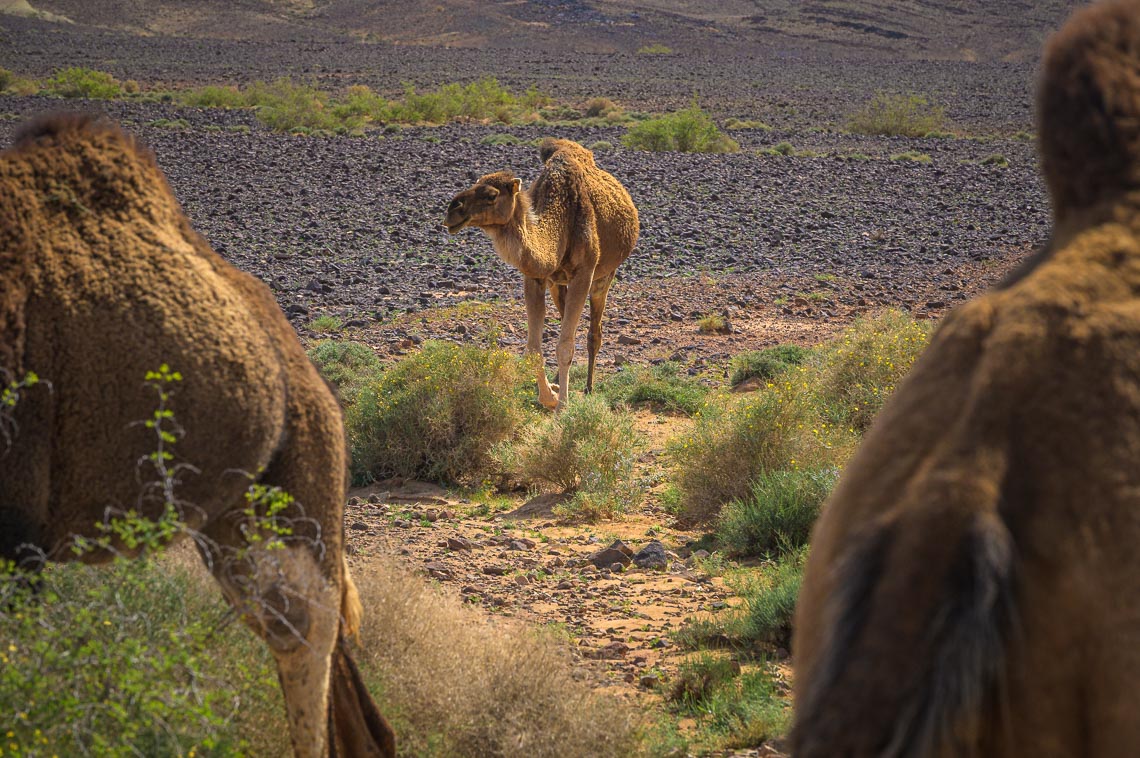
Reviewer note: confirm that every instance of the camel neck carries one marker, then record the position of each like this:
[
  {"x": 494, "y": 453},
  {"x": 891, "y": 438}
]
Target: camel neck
[{"x": 528, "y": 242}]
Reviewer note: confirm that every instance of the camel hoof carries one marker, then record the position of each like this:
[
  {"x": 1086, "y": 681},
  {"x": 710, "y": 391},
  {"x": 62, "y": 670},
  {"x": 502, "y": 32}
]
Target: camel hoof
[{"x": 550, "y": 405}]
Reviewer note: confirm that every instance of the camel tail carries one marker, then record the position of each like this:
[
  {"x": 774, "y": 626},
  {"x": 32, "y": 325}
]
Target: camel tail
[
  {"x": 943, "y": 656},
  {"x": 356, "y": 726}
]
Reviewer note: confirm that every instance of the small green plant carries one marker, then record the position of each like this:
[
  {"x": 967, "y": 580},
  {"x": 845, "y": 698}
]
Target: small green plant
[
  {"x": 734, "y": 124},
  {"x": 777, "y": 515},
  {"x": 785, "y": 148},
  {"x": 83, "y": 82},
  {"x": 712, "y": 323},
  {"x": 325, "y": 324},
  {"x": 436, "y": 414},
  {"x": 912, "y": 156},
  {"x": 688, "y": 131},
  {"x": 766, "y": 363},
  {"x": 167, "y": 123},
  {"x": 601, "y": 146},
  {"x": 996, "y": 159},
  {"x": 588, "y": 449},
  {"x": 214, "y": 97},
  {"x": 655, "y": 49},
  {"x": 500, "y": 139},
  {"x": 348, "y": 365},
  {"x": 663, "y": 387},
  {"x": 898, "y": 116},
  {"x": 601, "y": 106},
  {"x": 1023, "y": 136}
]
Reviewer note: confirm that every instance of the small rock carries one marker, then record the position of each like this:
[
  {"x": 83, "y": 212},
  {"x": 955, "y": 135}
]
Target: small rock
[
  {"x": 652, "y": 556},
  {"x": 619, "y": 545},
  {"x": 460, "y": 543},
  {"x": 437, "y": 570},
  {"x": 565, "y": 584},
  {"x": 624, "y": 339},
  {"x": 496, "y": 569},
  {"x": 359, "y": 526},
  {"x": 650, "y": 681},
  {"x": 521, "y": 580},
  {"x": 609, "y": 556}
]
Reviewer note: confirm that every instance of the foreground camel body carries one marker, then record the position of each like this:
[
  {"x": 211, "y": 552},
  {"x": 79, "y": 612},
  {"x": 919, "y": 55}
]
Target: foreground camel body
[
  {"x": 568, "y": 233},
  {"x": 974, "y": 582},
  {"x": 102, "y": 280}
]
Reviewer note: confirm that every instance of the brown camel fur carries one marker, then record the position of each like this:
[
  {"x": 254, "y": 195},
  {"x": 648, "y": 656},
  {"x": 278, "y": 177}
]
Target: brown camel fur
[
  {"x": 568, "y": 233},
  {"x": 974, "y": 582},
  {"x": 102, "y": 279}
]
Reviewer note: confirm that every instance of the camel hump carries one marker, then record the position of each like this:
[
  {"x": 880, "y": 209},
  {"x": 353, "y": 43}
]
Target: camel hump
[
  {"x": 1089, "y": 105},
  {"x": 945, "y": 666},
  {"x": 550, "y": 146},
  {"x": 66, "y": 124}
]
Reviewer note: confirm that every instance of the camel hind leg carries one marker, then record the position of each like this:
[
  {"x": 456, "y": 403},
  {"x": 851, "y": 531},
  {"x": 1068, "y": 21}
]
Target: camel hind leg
[{"x": 598, "y": 293}]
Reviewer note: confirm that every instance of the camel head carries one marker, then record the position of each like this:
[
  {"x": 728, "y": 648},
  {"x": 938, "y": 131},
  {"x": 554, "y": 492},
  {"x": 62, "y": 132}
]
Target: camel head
[{"x": 488, "y": 202}]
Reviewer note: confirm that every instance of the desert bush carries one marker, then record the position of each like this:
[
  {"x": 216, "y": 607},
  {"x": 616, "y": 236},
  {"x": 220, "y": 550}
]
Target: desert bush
[
  {"x": 663, "y": 387},
  {"x": 689, "y": 131},
  {"x": 214, "y": 97},
  {"x": 898, "y": 115},
  {"x": 436, "y": 414},
  {"x": 138, "y": 658},
  {"x": 711, "y": 323},
  {"x": 455, "y": 684},
  {"x": 777, "y": 515},
  {"x": 7, "y": 79},
  {"x": 14, "y": 84},
  {"x": 286, "y": 106},
  {"x": 360, "y": 105},
  {"x": 912, "y": 156},
  {"x": 734, "y": 442},
  {"x": 83, "y": 82},
  {"x": 588, "y": 449},
  {"x": 500, "y": 139},
  {"x": 601, "y": 146},
  {"x": 478, "y": 100},
  {"x": 859, "y": 370},
  {"x": 347, "y": 365},
  {"x": 655, "y": 49},
  {"x": 997, "y": 159},
  {"x": 764, "y": 621},
  {"x": 735, "y": 123},
  {"x": 765, "y": 364},
  {"x": 326, "y": 323},
  {"x": 601, "y": 106},
  {"x": 733, "y": 709}
]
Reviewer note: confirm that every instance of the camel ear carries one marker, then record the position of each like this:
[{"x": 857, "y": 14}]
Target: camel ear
[{"x": 516, "y": 185}]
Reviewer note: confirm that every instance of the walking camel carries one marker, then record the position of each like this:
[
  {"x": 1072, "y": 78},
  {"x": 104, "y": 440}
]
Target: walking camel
[
  {"x": 102, "y": 279},
  {"x": 973, "y": 587},
  {"x": 568, "y": 234}
]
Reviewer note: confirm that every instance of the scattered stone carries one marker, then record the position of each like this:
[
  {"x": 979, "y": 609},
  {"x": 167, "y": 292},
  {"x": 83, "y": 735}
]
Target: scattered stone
[
  {"x": 652, "y": 556},
  {"x": 608, "y": 557},
  {"x": 565, "y": 584},
  {"x": 522, "y": 544},
  {"x": 619, "y": 545},
  {"x": 437, "y": 570},
  {"x": 625, "y": 339},
  {"x": 521, "y": 580},
  {"x": 496, "y": 569},
  {"x": 650, "y": 681},
  {"x": 359, "y": 526},
  {"x": 459, "y": 543},
  {"x": 616, "y": 568}
]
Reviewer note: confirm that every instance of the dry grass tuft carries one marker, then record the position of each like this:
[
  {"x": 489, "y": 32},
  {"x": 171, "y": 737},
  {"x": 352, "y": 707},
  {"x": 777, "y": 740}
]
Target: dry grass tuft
[{"x": 455, "y": 684}]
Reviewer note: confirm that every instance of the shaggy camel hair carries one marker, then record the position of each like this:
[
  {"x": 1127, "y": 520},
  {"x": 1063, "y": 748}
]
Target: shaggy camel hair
[
  {"x": 102, "y": 279},
  {"x": 974, "y": 582},
  {"x": 568, "y": 233}
]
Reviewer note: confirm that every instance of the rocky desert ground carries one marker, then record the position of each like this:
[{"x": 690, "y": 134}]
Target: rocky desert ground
[{"x": 788, "y": 246}]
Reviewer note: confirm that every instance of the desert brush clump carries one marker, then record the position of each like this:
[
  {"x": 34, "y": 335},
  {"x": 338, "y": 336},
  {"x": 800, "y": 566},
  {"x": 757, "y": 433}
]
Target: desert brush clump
[
  {"x": 664, "y": 387},
  {"x": 809, "y": 416},
  {"x": 587, "y": 449},
  {"x": 436, "y": 414},
  {"x": 766, "y": 363},
  {"x": 856, "y": 372},
  {"x": 83, "y": 82},
  {"x": 733, "y": 708},
  {"x": 777, "y": 514},
  {"x": 346, "y": 364},
  {"x": 458, "y": 684},
  {"x": 909, "y": 115},
  {"x": 690, "y": 130}
]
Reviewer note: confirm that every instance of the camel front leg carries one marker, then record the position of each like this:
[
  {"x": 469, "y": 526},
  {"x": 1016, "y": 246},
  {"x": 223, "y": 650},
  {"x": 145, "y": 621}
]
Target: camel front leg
[
  {"x": 535, "y": 292},
  {"x": 598, "y": 294},
  {"x": 576, "y": 293}
]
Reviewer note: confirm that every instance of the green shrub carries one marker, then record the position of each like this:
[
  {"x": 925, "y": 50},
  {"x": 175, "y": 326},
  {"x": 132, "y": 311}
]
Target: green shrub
[
  {"x": 912, "y": 156},
  {"x": 688, "y": 131},
  {"x": 898, "y": 115},
  {"x": 733, "y": 443},
  {"x": 214, "y": 97},
  {"x": 601, "y": 106},
  {"x": 285, "y": 106},
  {"x": 436, "y": 414},
  {"x": 326, "y": 323},
  {"x": 83, "y": 82},
  {"x": 735, "y": 123},
  {"x": 478, "y": 100},
  {"x": 360, "y": 105},
  {"x": 997, "y": 159},
  {"x": 777, "y": 515},
  {"x": 712, "y": 323},
  {"x": 587, "y": 448},
  {"x": 785, "y": 148},
  {"x": 500, "y": 139},
  {"x": 732, "y": 709},
  {"x": 347, "y": 365},
  {"x": 766, "y": 363},
  {"x": 601, "y": 146},
  {"x": 859, "y": 370},
  {"x": 655, "y": 49},
  {"x": 663, "y": 387}
]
